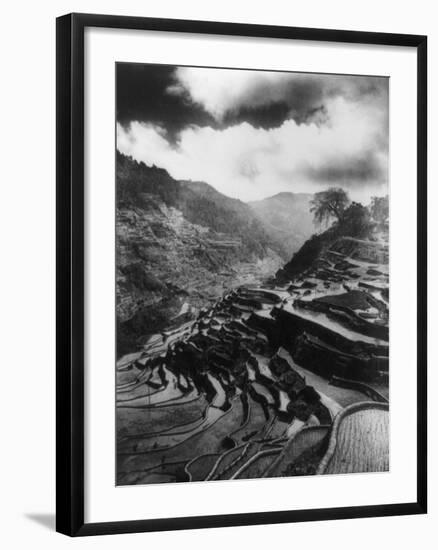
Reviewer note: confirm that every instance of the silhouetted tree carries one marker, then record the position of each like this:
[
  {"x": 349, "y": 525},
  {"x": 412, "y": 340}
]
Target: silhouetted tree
[
  {"x": 356, "y": 221},
  {"x": 379, "y": 209},
  {"x": 329, "y": 204}
]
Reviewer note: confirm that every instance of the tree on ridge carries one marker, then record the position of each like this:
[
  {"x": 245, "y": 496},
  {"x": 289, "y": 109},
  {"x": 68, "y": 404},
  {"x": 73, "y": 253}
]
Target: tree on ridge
[{"x": 329, "y": 204}]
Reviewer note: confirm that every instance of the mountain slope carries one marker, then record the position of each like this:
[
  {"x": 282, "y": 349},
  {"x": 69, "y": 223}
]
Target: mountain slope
[
  {"x": 199, "y": 203},
  {"x": 179, "y": 245},
  {"x": 355, "y": 231},
  {"x": 287, "y": 218}
]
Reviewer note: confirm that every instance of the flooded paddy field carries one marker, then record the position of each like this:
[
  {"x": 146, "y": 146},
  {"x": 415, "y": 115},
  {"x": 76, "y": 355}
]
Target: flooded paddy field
[{"x": 255, "y": 385}]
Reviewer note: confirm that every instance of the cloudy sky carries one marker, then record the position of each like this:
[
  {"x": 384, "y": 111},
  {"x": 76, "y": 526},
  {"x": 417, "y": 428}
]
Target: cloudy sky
[{"x": 252, "y": 134}]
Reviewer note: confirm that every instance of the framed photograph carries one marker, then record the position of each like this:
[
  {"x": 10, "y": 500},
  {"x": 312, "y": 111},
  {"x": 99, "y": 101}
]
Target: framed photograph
[{"x": 241, "y": 274}]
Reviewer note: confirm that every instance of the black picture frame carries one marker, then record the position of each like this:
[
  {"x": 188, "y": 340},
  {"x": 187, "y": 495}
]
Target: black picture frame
[{"x": 70, "y": 273}]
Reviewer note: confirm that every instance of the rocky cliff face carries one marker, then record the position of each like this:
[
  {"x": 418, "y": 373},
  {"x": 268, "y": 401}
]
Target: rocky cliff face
[{"x": 179, "y": 246}]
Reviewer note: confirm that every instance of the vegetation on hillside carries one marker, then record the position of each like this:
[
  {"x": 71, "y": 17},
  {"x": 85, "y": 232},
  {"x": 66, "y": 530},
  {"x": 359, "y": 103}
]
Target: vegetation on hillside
[
  {"x": 351, "y": 219},
  {"x": 379, "y": 209},
  {"x": 139, "y": 186},
  {"x": 329, "y": 204},
  {"x": 179, "y": 244}
]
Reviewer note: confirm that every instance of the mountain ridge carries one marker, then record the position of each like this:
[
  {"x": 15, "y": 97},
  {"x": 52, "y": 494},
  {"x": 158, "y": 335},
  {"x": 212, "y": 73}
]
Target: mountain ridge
[
  {"x": 180, "y": 244},
  {"x": 287, "y": 216}
]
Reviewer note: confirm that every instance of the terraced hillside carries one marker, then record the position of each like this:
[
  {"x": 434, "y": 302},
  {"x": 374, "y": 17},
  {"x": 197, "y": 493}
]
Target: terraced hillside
[
  {"x": 258, "y": 383},
  {"x": 180, "y": 244}
]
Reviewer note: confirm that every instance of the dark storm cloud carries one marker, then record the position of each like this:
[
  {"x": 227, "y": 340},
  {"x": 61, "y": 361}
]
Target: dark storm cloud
[
  {"x": 165, "y": 96},
  {"x": 253, "y": 133},
  {"x": 142, "y": 96},
  {"x": 266, "y": 116},
  {"x": 304, "y": 96},
  {"x": 266, "y": 98},
  {"x": 350, "y": 172}
]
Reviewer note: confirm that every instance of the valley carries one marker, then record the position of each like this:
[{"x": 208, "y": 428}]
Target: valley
[
  {"x": 252, "y": 274},
  {"x": 181, "y": 244},
  {"x": 257, "y": 384}
]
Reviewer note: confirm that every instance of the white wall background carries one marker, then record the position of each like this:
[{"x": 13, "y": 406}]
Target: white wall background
[{"x": 27, "y": 305}]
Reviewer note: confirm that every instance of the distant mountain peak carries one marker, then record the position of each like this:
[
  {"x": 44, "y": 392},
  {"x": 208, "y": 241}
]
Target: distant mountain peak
[
  {"x": 284, "y": 195},
  {"x": 281, "y": 223}
]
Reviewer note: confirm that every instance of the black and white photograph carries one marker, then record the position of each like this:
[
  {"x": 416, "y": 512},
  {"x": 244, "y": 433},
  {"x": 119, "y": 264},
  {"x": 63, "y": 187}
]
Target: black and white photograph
[
  {"x": 218, "y": 271},
  {"x": 252, "y": 278}
]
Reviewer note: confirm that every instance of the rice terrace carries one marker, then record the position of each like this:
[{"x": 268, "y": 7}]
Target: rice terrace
[{"x": 252, "y": 239}]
